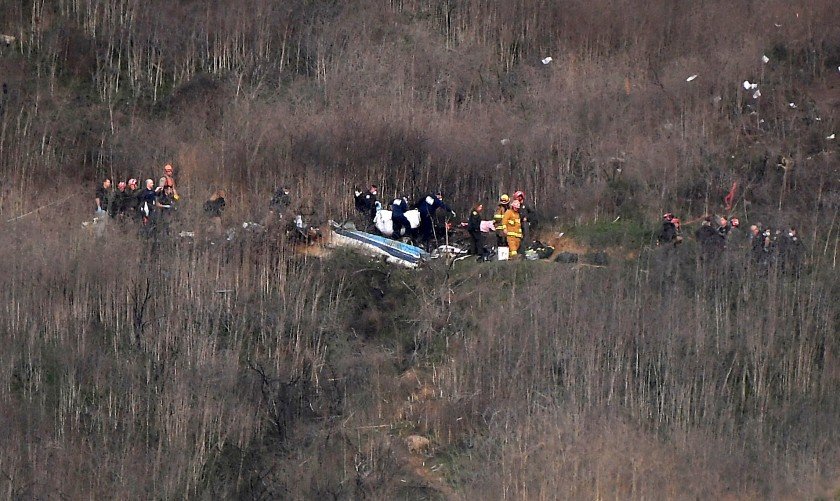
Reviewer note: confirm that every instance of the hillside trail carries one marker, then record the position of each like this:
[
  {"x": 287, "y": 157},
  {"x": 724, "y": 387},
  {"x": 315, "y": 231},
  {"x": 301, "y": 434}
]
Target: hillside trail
[{"x": 421, "y": 393}]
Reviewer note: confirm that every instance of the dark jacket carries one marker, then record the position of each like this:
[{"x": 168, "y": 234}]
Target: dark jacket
[
  {"x": 366, "y": 202},
  {"x": 214, "y": 208},
  {"x": 429, "y": 204},
  {"x": 474, "y": 222},
  {"x": 280, "y": 201},
  {"x": 668, "y": 233},
  {"x": 399, "y": 207},
  {"x": 146, "y": 201}
]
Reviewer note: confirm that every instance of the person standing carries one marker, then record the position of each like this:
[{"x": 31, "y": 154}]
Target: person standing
[
  {"x": 398, "y": 209},
  {"x": 670, "y": 233},
  {"x": 474, "y": 229},
  {"x": 427, "y": 207},
  {"x": 103, "y": 198},
  {"x": 164, "y": 208},
  {"x": 146, "y": 201},
  {"x": 504, "y": 205},
  {"x": 513, "y": 228},
  {"x": 366, "y": 206},
  {"x": 527, "y": 216},
  {"x": 120, "y": 200},
  {"x": 169, "y": 180},
  {"x": 214, "y": 207},
  {"x": 132, "y": 194}
]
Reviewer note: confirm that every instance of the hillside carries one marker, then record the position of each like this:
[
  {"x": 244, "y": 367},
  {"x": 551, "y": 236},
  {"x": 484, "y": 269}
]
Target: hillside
[{"x": 140, "y": 367}]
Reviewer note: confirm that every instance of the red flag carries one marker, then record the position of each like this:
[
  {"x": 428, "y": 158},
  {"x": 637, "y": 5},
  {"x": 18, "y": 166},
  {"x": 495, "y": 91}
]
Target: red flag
[{"x": 730, "y": 196}]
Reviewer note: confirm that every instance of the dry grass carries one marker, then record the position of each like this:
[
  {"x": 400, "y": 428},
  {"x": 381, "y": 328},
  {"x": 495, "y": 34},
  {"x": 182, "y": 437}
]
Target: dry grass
[{"x": 126, "y": 374}]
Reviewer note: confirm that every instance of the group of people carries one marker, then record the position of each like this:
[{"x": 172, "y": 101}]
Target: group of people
[
  {"x": 150, "y": 205},
  {"x": 153, "y": 206},
  {"x": 716, "y": 234},
  {"x": 511, "y": 221}
]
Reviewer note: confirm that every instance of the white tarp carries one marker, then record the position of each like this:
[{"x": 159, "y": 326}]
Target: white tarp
[{"x": 385, "y": 225}]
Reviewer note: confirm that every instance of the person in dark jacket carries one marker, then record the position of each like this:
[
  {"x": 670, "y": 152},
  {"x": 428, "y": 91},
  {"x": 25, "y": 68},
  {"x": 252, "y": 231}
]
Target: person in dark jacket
[
  {"x": 103, "y": 197},
  {"x": 214, "y": 207},
  {"x": 474, "y": 229},
  {"x": 427, "y": 206},
  {"x": 366, "y": 206},
  {"x": 120, "y": 200},
  {"x": 398, "y": 209},
  {"x": 278, "y": 206},
  {"x": 146, "y": 201},
  {"x": 670, "y": 232},
  {"x": 528, "y": 217},
  {"x": 711, "y": 241},
  {"x": 164, "y": 209}
]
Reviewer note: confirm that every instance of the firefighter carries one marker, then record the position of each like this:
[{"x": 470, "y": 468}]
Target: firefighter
[
  {"x": 513, "y": 228},
  {"x": 528, "y": 217},
  {"x": 504, "y": 205}
]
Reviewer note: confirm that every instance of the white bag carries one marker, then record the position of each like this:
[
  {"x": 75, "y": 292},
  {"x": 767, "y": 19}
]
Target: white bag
[
  {"x": 502, "y": 253},
  {"x": 385, "y": 224}
]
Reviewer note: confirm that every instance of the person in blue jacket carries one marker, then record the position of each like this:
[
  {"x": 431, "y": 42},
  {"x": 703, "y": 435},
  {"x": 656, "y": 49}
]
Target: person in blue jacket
[
  {"x": 427, "y": 206},
  {"x": 398, "y": 209}
]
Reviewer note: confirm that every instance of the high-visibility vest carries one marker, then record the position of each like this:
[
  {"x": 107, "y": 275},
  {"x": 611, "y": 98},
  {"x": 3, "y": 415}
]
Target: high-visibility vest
[
  {"x": 512, "y": 223},
  {"x": 498, "y": 216}
]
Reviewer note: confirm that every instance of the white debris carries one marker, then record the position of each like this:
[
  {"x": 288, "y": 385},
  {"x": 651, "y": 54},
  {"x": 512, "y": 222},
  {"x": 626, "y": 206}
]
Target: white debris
[
  {"x": 756, "y": 94},
  {"x": 830, "y": 137},
  {"x": 505, "y": 141},
  {"x": 818, "y": 119},
  {"x": 7, "y": 39},
  {"x": 792, "y": 105},
  {"x": 765, "y": 59},
  {"x": 547, "y": 60},
  {"x": 692, "y": 77},
  {"x": 750, "y": 86},
  {"x": 777, "y": 25}
]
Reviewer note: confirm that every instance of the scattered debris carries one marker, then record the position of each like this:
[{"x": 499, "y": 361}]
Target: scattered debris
[
  {"x": 830, "y": 137},
  {"x": 187, "y": 234},
  {"x": 692, "y": 77},
  {"x": 792, "y": 105},
  {"x": 547, "y": 60},
  {"x": 777, "y": 25},
  {"x": 818, "y": 119},
  {"x": 765, "y": 59},
  {"x": 757, "y": 94},
  {"x": 505, "y": 141},
  {"x": 750, "y": 86},
  {"x": 7, "y": 39}
]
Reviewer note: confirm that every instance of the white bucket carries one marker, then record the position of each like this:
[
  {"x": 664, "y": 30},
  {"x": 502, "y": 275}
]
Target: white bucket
[{"x": 502, "y": 253}]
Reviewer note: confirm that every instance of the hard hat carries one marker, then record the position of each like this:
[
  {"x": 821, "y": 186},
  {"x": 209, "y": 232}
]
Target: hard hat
[
  {"x": 504, "y": 199},
  {"x": 519, "y": 195}
]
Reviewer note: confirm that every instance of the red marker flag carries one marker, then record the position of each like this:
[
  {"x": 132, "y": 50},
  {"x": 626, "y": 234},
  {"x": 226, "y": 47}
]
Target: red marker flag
[{"x": 730, "y": 196}]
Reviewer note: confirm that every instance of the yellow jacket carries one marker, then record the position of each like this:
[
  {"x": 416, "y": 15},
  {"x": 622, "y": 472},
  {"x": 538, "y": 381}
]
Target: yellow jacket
[
  {"x": 498, "y": 216},
  {"x": 512, "y": 223}
]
